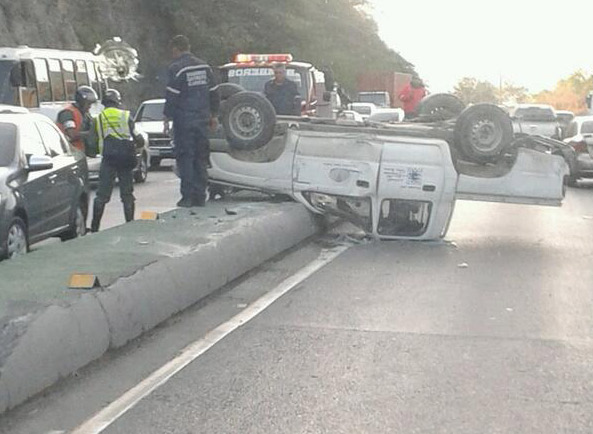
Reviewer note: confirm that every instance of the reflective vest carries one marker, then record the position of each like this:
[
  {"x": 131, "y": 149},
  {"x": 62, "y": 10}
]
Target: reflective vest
[
  {"x": 113, "y": 123},
  {"x": 78, "y": 120}
]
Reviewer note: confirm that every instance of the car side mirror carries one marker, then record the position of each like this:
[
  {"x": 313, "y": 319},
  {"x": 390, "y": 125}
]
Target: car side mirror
[{"x": 39, "y": 162}]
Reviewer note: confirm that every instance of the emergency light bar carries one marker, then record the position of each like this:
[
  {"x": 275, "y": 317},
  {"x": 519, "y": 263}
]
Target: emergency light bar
[{"x": 263, "y": 58}]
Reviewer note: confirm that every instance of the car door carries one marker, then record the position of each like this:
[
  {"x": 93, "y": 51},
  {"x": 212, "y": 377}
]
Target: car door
[
  {"x": 64, "y": 177},
  {"x": 36, "y": 186}
]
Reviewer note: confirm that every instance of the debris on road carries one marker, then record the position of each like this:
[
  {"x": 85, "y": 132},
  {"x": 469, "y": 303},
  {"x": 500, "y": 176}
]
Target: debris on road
[{"x": 463, "y": 265}]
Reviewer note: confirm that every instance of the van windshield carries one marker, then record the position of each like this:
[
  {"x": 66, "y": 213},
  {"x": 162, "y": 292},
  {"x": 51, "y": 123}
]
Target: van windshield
[
  {"x": 151, "y": 112},
  {"x": 7, "y": 91},
  {"x": 254, "y": 78}
]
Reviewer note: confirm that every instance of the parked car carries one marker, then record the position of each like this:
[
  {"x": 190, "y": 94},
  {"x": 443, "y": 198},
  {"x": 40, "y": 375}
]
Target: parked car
[
  {"x": 149, "y": 118},
  {"x": 140, "y": 171},
  {"x": 43, "y": 182},
  {"x": 535, "y": 119},
  {"x": 387, "y": 115},
  {"x": 580, "y": 137},
  {"x": 366, "y": 109}
]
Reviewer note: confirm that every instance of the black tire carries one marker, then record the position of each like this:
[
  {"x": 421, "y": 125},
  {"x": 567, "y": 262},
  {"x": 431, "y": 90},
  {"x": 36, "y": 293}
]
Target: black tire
[
  {"x": 249, "y": 120},
  {"x": 226, "y": 90},
  {"x": 16, "y": 239},
  {"x": 141, "y": 173},
  {"x": 77, "y": 224},
  {"x": 440, "y": 106},
  {"x": 155, "y": 162},
  {"x": 483, "y": 133}
]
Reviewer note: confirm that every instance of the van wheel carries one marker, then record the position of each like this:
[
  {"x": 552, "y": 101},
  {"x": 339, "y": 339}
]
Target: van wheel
[
  {"x": 77, "y": 225},
  {"x": 16, "y": 242},
  {"x": 249, "y": 120},
  {"x": 440, "y": 107},
  {"x": 483, "y": 132}
]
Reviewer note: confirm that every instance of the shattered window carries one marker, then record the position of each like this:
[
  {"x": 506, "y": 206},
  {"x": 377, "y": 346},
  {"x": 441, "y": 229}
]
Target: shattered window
[{"x": 408, "y": 218}]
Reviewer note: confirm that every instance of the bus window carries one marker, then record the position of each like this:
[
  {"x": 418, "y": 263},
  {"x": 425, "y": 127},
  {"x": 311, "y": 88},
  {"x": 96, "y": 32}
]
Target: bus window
[
  {"x": 82, "y": 77},
  {"x": 56, "y": 80},
  {"x": 28, "y": 91},
  {"x": 42, "y": 76},
  {"x": 90, "y": 66},
  {"x": 69, "y": 79}
]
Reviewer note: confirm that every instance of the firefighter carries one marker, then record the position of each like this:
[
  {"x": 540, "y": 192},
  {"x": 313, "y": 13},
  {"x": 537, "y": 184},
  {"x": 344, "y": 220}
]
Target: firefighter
[
  {"x": 75, "y": 120},
  {"x": 114, "y": 136},
  {"x": 192, "y": 102},
  {"x": 283, "y": 93}
]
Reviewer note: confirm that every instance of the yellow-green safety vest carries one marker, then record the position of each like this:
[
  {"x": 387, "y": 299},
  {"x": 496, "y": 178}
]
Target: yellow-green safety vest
[{"x": 113, "y": 122}]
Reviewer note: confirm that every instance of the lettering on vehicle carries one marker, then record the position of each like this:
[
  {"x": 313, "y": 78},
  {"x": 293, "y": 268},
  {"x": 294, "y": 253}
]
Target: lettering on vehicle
[
  {"x": 197, "y": 78},
  {"x": 260, "y": 72},
  {"x": 408, "y": 177}
]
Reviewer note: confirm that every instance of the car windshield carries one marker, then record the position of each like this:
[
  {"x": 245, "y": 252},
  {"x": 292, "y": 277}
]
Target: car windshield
[
  {"x": 7, "y": 93},
  {"x": 362, "y": 109},
  {"x": 374, "y": 98},
  {"x": 151, "y": 112},
  {"x": 7, "y": 143},
  {"x": 587, "y": 127},
  {"x": 254, "y": 78},
  {"x": 535, "y": 114}
]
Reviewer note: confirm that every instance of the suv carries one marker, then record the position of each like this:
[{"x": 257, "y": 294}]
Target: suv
[
  {"x": 43, "y": 182},
  {"x": 149, "y": 118},
  {"x": 536, "y": 119},
  {"x": 580, "y": 137}
]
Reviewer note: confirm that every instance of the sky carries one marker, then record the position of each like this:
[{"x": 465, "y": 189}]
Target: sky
[{"x": 527, "y": 43}]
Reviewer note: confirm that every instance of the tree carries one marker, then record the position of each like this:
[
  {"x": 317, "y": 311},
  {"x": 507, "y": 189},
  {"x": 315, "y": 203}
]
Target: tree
[
  {"x": 569, "y": 93},
  {"x": 470, "y": 90}
]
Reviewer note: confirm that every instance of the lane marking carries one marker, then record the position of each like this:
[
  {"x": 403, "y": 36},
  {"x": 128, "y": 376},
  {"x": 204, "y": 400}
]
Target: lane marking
[{"x": 108, "y": 415}]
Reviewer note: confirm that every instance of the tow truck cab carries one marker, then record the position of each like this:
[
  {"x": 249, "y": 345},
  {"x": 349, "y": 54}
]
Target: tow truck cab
[{"x": 252, "y": 71}]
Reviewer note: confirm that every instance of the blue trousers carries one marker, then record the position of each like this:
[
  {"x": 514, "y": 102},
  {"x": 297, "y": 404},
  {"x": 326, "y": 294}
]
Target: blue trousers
[{"x": 192, "y": 153}]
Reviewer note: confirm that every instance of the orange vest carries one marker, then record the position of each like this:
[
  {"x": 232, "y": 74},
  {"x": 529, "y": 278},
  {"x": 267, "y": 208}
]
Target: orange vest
[{"x": 77, "y": 115}]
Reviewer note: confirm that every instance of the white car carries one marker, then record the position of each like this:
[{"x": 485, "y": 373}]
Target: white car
[
  {"x": 365, "y": 109},
  {"x": 387, "y": 115},
  {"x": 149, "y": 117}
]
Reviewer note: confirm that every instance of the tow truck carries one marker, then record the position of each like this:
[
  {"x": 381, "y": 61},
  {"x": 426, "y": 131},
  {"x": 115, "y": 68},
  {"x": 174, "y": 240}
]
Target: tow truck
[{"x": 398, "y": 181}]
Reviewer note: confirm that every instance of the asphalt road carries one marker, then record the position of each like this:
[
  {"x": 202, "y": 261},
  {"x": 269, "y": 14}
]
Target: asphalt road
[{"x": 489, "y": 332}]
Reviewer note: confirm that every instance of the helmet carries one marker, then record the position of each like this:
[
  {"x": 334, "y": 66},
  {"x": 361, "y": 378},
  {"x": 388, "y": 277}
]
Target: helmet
[
  {"x": 111, "y": 96},
  {"x": 85, "y": 94}
]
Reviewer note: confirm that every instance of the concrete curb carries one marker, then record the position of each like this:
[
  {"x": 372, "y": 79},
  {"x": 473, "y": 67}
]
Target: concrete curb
[{"x": 53, "y": 340}]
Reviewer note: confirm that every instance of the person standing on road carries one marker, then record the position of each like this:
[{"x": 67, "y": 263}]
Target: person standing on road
[
  {"x": 114, "y": 136},
  {"x": 411, "y": 95},
  {"x": 283, "y": 92},
  {"x": 75, "y": 120},
  {"x": 192, "y": 102}
]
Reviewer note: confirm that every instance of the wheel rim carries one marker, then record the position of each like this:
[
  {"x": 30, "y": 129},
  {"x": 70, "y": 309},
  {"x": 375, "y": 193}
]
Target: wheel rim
[
  {"x": 16, "y": 241},
  {"x": 486, "y": 135},
  {"x": 80, "y": 223},
  {"x": 245, "y": 122}
]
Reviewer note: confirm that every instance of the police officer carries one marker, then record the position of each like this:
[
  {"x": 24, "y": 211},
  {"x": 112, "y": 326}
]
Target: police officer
[
  {"x": 114, "y": 136},
  {"x": 283, "y": 92},
  {"x": 192, "y": 102},
  {"x": 75, "y": 120}
]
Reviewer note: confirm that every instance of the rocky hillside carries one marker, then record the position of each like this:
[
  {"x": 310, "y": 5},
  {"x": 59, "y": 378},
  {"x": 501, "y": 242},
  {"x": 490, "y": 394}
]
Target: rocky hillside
[{"x": 327, "y": 33}]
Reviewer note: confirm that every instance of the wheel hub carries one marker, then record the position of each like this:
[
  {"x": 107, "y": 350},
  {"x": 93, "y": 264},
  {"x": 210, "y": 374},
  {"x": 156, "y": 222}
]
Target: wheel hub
[
  {"x": 485, "y": 135},
  {"x": 246, "y": 122}
]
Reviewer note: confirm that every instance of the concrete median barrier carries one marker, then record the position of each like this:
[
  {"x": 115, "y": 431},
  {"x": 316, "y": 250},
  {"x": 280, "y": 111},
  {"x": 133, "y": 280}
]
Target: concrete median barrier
[{"x": 148, "y": 271}]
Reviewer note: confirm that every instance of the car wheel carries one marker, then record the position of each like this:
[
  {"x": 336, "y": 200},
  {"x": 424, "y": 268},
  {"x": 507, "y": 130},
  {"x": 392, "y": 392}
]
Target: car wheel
[
  {"x": 141, "y": 174},
  {"x": 17, "y": 239},
  {"x": 249, "y": 120},
  {"x": 226, "y": 90},
  {"x": 483, "y": 132},
  {"x": 440, "y": 107},
  {"x": 77, "y": 225},
  {"x": 155, "y": 162},
  {"x": 217, "y": 191}
]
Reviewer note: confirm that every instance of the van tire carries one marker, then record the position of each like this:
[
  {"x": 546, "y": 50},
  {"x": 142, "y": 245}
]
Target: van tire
[
  {"x": 483, "y": 133},
  {"x": 249, "y": 120},
  {"x": 226, "y": 90},
  {"x": 440, "y": 106}
]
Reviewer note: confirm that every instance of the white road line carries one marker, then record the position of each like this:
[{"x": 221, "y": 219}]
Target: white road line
[{"x": 128, "y": 400}]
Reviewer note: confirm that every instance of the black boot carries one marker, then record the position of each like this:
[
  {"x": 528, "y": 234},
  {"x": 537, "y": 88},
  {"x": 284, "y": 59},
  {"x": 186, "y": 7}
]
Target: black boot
[
  {"x": 129, "y": 211},
  {"x": 98, "y": 209}
]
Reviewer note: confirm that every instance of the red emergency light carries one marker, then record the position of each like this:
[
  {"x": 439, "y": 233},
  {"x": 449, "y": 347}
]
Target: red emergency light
[{"x": 263, "y": 58}]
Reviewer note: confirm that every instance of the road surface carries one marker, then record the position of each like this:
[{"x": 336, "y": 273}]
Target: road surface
[{"x": 488, "y": 332}]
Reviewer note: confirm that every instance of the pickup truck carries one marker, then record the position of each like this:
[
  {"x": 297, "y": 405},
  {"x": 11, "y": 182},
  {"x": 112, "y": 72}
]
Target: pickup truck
[
  {"x": 536, "y": 119},
  {"x": 396, "y": 181}
]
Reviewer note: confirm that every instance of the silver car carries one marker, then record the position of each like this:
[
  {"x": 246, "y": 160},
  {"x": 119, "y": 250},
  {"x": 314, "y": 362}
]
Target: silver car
[{"x": 580, "y": 137}]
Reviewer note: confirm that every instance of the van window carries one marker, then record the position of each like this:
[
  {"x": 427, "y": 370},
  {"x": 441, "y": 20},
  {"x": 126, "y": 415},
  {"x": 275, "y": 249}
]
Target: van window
[
  {"x": 69, "y": 79},
  {"x": 42, "y": 76},
  {"x": 28, "y": 93},
  {"x": 56, "y": 80},
  {"x": 82, "y": 77}
]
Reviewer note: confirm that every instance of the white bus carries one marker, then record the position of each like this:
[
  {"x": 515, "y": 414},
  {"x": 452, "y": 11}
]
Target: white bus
[{"x": 45, "y": 80}]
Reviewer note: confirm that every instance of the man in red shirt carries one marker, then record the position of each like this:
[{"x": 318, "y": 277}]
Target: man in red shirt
[{"x": 411, "y": 95}]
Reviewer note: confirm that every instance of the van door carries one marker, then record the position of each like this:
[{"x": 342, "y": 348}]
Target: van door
[{"x": 416, "y": 191}]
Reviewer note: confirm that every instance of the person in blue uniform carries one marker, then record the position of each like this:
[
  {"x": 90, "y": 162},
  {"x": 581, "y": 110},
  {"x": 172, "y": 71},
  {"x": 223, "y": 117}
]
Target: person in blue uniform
[{"x": 192, "y": 103}]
